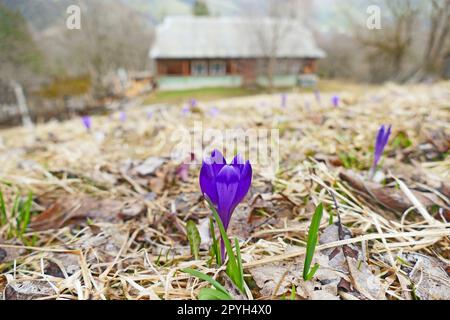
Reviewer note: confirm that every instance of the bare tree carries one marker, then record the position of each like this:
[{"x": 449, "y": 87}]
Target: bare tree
[
  {"x": 388, "y": 48},
  {"x": 269, "y": 43},
  {"x": 112, "y": 36},
  {"x": 412, "y": 43},
  {"x": 341, "y": 61},
  {"x": 277, "y": 19},
  {"x": 437, "y": 38}
]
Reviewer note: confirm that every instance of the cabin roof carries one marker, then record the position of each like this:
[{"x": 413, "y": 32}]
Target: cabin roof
[{"x": 233, "y": 37}]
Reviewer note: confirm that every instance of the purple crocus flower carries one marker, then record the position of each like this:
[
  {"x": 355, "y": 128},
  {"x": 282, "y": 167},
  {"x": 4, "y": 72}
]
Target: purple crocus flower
[
  {"x": 225, "y": 185},
  {"x": 122, "y": 116},
  {"x": 380, "y": 144},
  {"x": 182, "y": 172},
  {"x": 186, "y": 109},
  {"x": 193, "y": 103},
  {"x": 149, "y": 114},
  {"x": 87, "y": 122},
  {"x": 335, "y": 100},
  {"x": 213, "y": 112}
]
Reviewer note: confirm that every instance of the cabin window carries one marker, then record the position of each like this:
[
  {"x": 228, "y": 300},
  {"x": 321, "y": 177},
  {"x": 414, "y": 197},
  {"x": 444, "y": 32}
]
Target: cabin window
[
  {"x": 217, "y": 68},
  {"x": 199, "y": 68},
  {"x": 281, "y": 67},
  {"x": 294, "y": 67},
  {"x": 170, "y": 67}
]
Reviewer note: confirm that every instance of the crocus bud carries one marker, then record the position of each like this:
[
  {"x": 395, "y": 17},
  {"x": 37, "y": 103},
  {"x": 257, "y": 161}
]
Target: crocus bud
[
  {"x": 380, "y": 143},
  {"x": 87, "y": 122},
  {"x": 335, "y": 100}
]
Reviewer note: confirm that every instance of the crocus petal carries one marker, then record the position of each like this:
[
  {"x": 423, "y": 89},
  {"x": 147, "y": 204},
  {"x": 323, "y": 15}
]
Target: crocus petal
[
  {"x": 380, "y": 137},
  {"x": 217, "y": 160},
  {"x": 386, "y": 136},
  {"x": 245, "y": 181},
  {"x": 182, "y": 172},
  {"x": 87, "y": 122},
  {"x": 335, "y": 101},
  {"x": 208, "y": 173},
  {"x": 238, "y": 162},
  {"x": 227, "y": 182},
  {"x": 379, "y": 145},
  {"x": 208, "y": 182}
]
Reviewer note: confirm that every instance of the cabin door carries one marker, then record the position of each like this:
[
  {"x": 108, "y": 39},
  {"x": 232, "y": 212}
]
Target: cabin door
[{"x": 248, "y": 72}]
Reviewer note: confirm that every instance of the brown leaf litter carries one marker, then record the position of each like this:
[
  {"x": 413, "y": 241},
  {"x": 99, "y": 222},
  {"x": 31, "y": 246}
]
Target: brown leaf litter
[
  {"x": 342, "y": 270},
  {"x": 110, "y": 206}
]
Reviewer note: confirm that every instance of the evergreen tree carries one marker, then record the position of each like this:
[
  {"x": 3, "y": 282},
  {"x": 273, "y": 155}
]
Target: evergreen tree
[
  {"x": 200, "y": 8},
  {"x": 18, "y": 49}
]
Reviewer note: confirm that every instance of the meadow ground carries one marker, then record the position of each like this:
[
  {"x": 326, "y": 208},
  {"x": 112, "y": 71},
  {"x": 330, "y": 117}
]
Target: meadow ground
[{"x": 110, "y": 205}]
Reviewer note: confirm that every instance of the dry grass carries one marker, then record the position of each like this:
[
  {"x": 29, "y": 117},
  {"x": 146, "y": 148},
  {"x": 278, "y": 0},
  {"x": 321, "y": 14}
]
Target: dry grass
[{"x": 140, "y": 257}]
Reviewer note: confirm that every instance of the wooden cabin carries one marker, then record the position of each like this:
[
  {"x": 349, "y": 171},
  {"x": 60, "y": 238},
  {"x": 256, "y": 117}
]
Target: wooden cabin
[{"x": 194, "y": 52}]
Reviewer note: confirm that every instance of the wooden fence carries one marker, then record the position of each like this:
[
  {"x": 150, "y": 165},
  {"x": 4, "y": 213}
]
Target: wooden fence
[
  {"x": 18, "y": 109},
  {"x": 13, "y": 105}
]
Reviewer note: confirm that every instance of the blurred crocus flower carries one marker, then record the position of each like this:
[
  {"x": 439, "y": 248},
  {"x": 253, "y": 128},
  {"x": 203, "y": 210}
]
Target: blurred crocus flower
[
  {"x": 87, "y": 122},
  {"x": 182, "y": 172},
  {"x": 149, "y": 114},
  {"x": 213, "y": 112},
  {"x": 335, "y": 100},
  {"x": 193, "y": 103},
  {"x": 122, "y": 116},
  {"x": 185, "y": 110},
  {"x": 225, "y": 185},
  {"x": 283, "y": 100},
  {"x": 380, "y": 144}
]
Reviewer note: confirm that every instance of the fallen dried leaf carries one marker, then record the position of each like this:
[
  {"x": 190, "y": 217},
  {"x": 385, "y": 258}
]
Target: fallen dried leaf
[
  {"x": 148, "y": 166},
  {"x": 28, "y": 290},
  {"x": 431, "y": 281},
  {"x": 389, "y": 198},
  {"x": 71, "y": 209},
  {"x": 231, "y": 287}
]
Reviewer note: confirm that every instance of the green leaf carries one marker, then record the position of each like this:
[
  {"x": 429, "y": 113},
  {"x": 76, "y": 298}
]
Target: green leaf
[
  {"x": 194, "y": 238},
  {"x": 239, "y": 263},
  {"x": 312, "y": 272},
  {"x": 207, "y": 278},
  {"x": 313, "y": 235},
  {"x": 293, "y": 292},
  {"x": 3, "y": 216},
  {"x": 212, "y": 294},
  {"x": 401, "y": 140},
  {"x": 232, "y": 265},
  {"x": 25, "y": 215},
  {"x": 15, "y": 206},
  {"x": 215, "y": 244}
]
